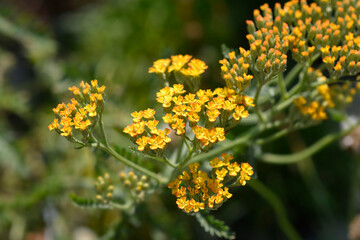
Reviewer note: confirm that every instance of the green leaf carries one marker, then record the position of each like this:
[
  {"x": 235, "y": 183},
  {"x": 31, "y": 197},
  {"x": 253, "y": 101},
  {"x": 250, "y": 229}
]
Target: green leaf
[
  {"x": 214, "y": 227},
  {"x": 337, "y": 115},
  {"x": 225, "y": 50},
  {"x": 88, "y": 203}
]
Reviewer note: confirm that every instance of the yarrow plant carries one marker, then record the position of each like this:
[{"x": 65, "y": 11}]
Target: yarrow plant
[{"x": 187, "y": 137}]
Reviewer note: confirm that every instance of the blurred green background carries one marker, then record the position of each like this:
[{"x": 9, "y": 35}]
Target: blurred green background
[{"x": 47, "y": 46}]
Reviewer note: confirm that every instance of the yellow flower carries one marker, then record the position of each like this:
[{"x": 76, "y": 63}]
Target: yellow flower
[
  {"x": 178, "y": 62},
  {"x": 142, "y": 142},
  {"x": 160, "y": 66},
  {"x": 54, "y": 125}
]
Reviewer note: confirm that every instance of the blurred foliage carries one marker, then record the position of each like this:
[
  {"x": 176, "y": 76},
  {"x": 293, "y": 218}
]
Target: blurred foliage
[{"x": 45, "y": 46}]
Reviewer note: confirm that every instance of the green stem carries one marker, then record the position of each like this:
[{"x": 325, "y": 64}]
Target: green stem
[
  {"x": 275, "y": 136},
  {"x": 293, "y": 73},
  {"x": 103, "y": 133},
  {"x": 163, "y": 160},
  {"x": 296, "y": 157},
  {"x": 257, "y": 109},
  {"x": 238, "y": 141},
  {"x": 243, "y": 139},
  {"x": 123, "y": 207},
  {"x": 282, "y": 86},
  {"x": 127, "y": 162},
  {"x": 278, "y": 208},
  {"x": 179, "y": 151},
  {"x": 282, "y": 105}
]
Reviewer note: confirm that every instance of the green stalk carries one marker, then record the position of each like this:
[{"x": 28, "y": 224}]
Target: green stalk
[
  {"x": 278, "y": 208},
  {"x": 293, "y": 73},
  {"x": 275, "y": 136},
  {"x": 296, "y": 157},
  {"x": 238, "y": 141},
  {"x": 103, "y": 133},
  {"x": 127, "y": 162},
  {"x": 282, "y": 86},
  {"x": 257, "y": 109}
]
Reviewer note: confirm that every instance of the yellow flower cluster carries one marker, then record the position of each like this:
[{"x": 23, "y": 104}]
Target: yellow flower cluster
[
  {"x": 179, "y": 63},
  {"x": 304, "y": 29},
  {"x": 213, "y": 109},
  {"x": 343, "y": 60},
  {"x": 144, "y": 131},
  {"x": 82, "y": 112},
  {"x": 186, "y": 70},
  {"x": 313, "y": 109},
  {"x": 326, "y": 96},
  {"x": 197, "y": 191}
]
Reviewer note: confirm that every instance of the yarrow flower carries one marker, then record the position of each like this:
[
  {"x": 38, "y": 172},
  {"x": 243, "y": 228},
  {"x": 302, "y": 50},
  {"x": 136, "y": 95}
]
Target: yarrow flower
[
  {"x": 206, "y": 112},
  {"x": 81, "y": 113},
  {"x": 196, "y": 191},
  {"x": 185, "y": 70}
]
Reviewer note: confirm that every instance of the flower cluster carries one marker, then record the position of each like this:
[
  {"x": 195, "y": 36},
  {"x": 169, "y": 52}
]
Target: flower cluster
[
  {"x": 137, "y": 186},
  {"x": 81, "y": 113},
  {"x": 104, "y": 188},
  {"x": 197, "y": 191},
  {"x": 304, "y": 29},
  {"x": 207, "y": 112},
  {"x": 324, "y": 97},
  {"x": 342, "y": 60},
  {"x": 145, "y": 134},
  {"x": 186, "y": 70}
]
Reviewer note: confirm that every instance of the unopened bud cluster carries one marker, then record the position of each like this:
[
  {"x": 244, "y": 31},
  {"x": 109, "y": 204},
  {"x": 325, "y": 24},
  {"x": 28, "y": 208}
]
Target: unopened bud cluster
[
  {"x": 136, "y": 185},
  {"x": 104, "y": 189}
]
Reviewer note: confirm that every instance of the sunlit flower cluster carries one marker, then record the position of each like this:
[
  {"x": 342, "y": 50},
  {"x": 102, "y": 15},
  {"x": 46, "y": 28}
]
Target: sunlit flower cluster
[
  {"x": 326, "y": 30},
  {"x": 81, "y": 113},
  {"x": 207, "y": 112},
  {"x": 195, "y": 190},
  {"x": 343, "y": 60},
  {"x": 144, "y": 132},
  {"x": 185, "y": 69}
]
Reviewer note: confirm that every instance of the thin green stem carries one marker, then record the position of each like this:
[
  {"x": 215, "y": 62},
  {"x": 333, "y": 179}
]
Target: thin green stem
[
  {"x": 273, "y": 137},
  {"x": 123, "y": 207},
  {"x": 282, "y": 86},
  {"x": 129, "y": 163},
  {"x": 102, "y": 130},
  {"x": 296, "y": 157},
  {"x": 179, "y": 151},
  {"x": 188, "y": 157},
  {"x": 293, "y": 73},
  {"x": 257, "y": 107},
  {"x": 238, "y": 141},
  {"x": 160, "y": 159},
  {"x": 243, "y": 139},
  {"x": 278, "y": 208}
]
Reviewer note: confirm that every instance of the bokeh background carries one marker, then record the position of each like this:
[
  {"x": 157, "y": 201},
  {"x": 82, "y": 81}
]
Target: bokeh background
[{"x": 48, "y": 45}]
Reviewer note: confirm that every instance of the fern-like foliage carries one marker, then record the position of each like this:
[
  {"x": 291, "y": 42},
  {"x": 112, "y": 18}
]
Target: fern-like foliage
[
  {"x": 88, "y": 203},
  {"x": 214, "y": 226}
]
